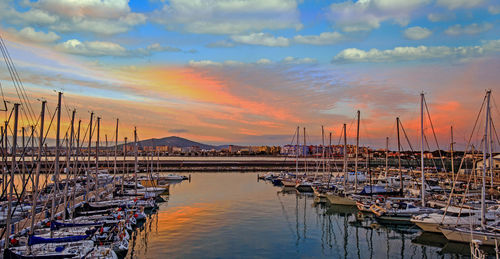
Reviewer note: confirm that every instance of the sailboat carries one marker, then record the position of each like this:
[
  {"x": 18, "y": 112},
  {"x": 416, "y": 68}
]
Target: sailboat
[
  {"x": 485, "y": 233},
  {"x": 339, "y": 195}
]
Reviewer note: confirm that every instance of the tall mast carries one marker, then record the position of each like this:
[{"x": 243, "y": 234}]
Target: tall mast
[
  {"x": 323, "y": 147},
  {"x": 23, "y": 168},
  {"x": 451, "y": 153},
  {"x": 399, "y": 159},
  {"x": 422, "y": 147},
  {"x": 329, "y": 154},
  {"x": 483, "y": 187},
  {"x": 5, "y": 154},
  {"x": 77, "y": 155},
  {"x": 304, "y": 150},
  {"x": 297, "y": 154},
  {"x": 369, "y": 171},
  {"x": 386, "y": 159},
  {"x": 115, "y": 169},
  {"x": 345, "y": 155},
  {"x": 89, "y": 150},
  {"x": 32, "y": 148},
  {"x": 136, "y": 164},
  {"x": 124, "y": 162},
  {"x": 56, "y": 165},
  {"x": 68, "y": 156},
  {"x": 97, "y": 158},
  {"x": 32, "y": 152},
  {"x": 356, "y": 159},
  {"x": 11, "y": 183},
  {"x": 490, "y": 151},
  {"x": 37, "y": 173}
]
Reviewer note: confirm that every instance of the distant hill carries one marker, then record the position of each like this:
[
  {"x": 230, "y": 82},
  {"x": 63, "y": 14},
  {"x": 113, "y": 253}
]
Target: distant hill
[{"x": 174, "y": 141}]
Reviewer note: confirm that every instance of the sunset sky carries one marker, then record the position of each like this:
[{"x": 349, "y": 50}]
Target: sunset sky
[{"x": 251, "y": 71}]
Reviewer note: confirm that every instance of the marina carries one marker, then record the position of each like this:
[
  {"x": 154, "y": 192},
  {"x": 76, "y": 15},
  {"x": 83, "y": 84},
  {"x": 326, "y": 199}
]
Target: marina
[
  {"x": 221, "y": 129},
  {"x": 85, "y": 206}
]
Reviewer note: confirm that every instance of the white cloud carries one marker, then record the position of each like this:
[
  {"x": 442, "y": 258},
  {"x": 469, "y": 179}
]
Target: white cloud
[
  {"x": 96, "y": 16},
  {"x": 454, "y": 4},
  {"x": 264, "y": 61},
  {"x": 228, "y": 16},
  {"x": 30, "y": 34},
  {"x": 439, "y": 17},
  {"x": 494, "y": 9},
  {"x": 298, "y": 61},
  {"x": 92, "y": 48},
  {"x": 106, "y": 9},
  {"x": 221, "y": 44},
  {"x": 354, "y": 55},
  {"x": 417, "y": 33},
  {"x": 366, "y": 15},
  {"x": 203, "y": 63},
  {"x": 324, "y": 38},
  {"x": 104, "y": 48},
  {"x": 261, "y": 38},
  {"x": 470, "y": 29},
  {"x": 210, "y": 63}
]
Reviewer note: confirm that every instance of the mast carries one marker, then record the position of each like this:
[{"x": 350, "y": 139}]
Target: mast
[
  {"x": 483, "y": 187},
  {"x": 77, "y": 155},
  {"x": 11, "y": 183},
  {"x": 356, "y": 159},
  {"x": 422, "y": 147},
  {"x": 32, "y": 149},
  {"x": 329, "y": 154},
  {"x": 297, "y": 154},
  {"x": 490, "y": 151},
  {"x": 32, "y": 154},
  {"x": 5, "y": 154},
  {"x": 451, "y": 154},
  {"x": 369, "y": 171},
  {"x": 124, "y": 162},
  {"x": 386, "y": 159},
  {"x": 399, "y": 159},
  {"x": 136, "y": 164},
  {"x": 345, "y": 155},
  {"x": 68, "y": 171},
  {"x": 323, "y": 147},
  {"x": 115, "y": 169},
  {"x": 23, "y": 168},
  {"x": 56, "y": 165},
  {"x": 304, "y": 151},
  {"x": 97, "y": 159},
  {"x": 37, "y": 172},
  {"x": 89, "y": 150}
]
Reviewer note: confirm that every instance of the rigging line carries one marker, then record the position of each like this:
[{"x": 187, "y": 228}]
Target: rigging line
[
  {"x": 19, "y": 95},
  {"x": 495, "y": 104},
  {"x": 434, "y": 133},
  {"x": 48, "y": 128},
  {"x": 3, "y": 98},
  {"x": 406, "y": 136},
  {"x": 429, "y": 148},
  {"x": 495, "y": 130},
  {"x": 23, "y": 90},
  {"x": 464, "y": 156},
  {"x": 10, "y": 72},
  {"x": 68, "y": 110}
]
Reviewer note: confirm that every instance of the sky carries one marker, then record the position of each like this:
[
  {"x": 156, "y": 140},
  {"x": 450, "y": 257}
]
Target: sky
[{"x": 249, "y": 72}]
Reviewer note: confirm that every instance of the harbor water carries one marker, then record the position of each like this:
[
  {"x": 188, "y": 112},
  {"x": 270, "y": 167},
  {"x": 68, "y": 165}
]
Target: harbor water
[{"x": 233, "y": 215}]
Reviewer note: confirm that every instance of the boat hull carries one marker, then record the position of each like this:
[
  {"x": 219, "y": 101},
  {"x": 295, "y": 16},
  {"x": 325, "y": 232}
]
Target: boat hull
[
  {"x": 338, "y": 200},
  {"x": 464, "y": 236}
]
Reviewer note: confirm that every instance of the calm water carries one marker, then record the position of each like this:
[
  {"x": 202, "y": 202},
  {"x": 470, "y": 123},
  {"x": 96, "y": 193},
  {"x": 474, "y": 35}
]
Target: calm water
[{"x": 232, "y": 215}]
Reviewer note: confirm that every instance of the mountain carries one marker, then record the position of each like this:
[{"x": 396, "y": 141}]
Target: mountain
[{"x": 175, "y": 142}]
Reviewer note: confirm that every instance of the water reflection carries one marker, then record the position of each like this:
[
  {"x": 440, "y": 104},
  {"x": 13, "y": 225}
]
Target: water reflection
[{"x": 227, "y": 215}]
